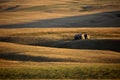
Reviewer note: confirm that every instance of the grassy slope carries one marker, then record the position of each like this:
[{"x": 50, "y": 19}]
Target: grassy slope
[
  {"x": 27, "y": 61},
  {"x": 63, "y": 72},
  {"x": 24, "y": 61},
  {"x": 42, "y": 54},
  {"x": 62, "y": 33},
  {"x": 40, "y": 10}
]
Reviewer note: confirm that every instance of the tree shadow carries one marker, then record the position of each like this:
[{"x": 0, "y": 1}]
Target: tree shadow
[
  {"x": 104, "y": 19},
  {"x": 23, "y": 57}
]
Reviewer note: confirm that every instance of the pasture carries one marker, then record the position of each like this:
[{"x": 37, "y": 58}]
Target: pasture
[
  {"x": 52, "y": 53},
  {"x": 37, "y": 39}
]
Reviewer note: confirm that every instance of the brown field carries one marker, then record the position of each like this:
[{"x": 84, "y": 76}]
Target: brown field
[
  {"x": 36, "y": 39},
  {"x": 17, "y": 12},
  {"x": 36, "y": 48}
]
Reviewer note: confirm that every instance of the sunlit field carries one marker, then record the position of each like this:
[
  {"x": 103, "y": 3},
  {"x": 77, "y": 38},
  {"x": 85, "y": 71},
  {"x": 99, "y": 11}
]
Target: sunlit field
[
  {"x": 52, "y": 53},
  {"x": 37, "y": 39},
  {"x": 17, "y": 12}
]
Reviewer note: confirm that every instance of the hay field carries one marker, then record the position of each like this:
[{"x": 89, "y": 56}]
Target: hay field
[
  {"x": 36, "y": 39},
  {"x": 52, "y": 53},
  {"x": 19, "y": 12}
]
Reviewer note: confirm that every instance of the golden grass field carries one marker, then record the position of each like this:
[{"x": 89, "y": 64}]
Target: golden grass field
[
  {"x": 14, "y": 12},
  {"x": 36, "y": 39},
  {"x": 36, "y": 50}
]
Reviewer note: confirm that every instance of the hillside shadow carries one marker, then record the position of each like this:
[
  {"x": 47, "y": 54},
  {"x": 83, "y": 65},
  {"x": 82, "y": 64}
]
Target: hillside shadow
[
  {"x": 12, "y": 8},
  {"x": 103, "y": 44},
  {"x": 23, "y": 57},
  {"x": 98, "y": 44},
  {"x": 104, "y": 19}
]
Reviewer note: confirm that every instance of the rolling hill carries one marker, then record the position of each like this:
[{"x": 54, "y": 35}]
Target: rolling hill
[{"x": 37, "y": 39}]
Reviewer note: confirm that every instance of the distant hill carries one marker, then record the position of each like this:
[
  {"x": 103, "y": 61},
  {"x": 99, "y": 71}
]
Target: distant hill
[{"x": 62, "y": 13}]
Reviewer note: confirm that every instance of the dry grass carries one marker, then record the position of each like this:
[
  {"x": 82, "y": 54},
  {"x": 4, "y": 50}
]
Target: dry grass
[
  {"x": 34, "y": 35},
  {"x": 18, "y": 59},
  {"x": 61, "y": 33},
  {"x": 26, "y": 62},
  {"x": 46, "y": 54},
  {"x": 62, "y": 72},
  {"x": 40, "y": 9}
]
